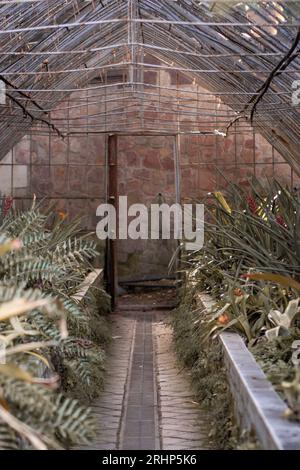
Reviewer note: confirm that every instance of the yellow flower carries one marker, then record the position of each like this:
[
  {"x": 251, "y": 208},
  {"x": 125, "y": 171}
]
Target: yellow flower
[{"x": 223, "y": 202}]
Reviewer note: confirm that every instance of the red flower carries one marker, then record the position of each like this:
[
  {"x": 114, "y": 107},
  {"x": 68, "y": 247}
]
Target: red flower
[
  {"x": 252, "y": 204},
  {"x": 281, "y": 221},
  {"x": 8, "y": 202}
]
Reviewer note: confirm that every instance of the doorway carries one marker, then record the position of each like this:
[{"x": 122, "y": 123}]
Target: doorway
[{"x": 145, "y": 168}]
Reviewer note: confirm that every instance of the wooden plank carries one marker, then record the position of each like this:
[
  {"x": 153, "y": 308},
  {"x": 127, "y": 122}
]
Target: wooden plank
[
  {"x": 146, "y": 308},
  {"x": 90, "y": 280}
]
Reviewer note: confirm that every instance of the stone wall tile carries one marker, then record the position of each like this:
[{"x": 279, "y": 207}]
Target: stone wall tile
[
  {"x": 59, "y": 180},
  {"x": 79, "y": 208},
  {"x": 78, "y": 150},
  {"x": 40, "y": 149},
  {"x": 95, "y": 178},
  {"x": 41, "y": 183},
  {"x": 96, "y": 149},
  {"x": 58, "y": 150},
  {"x": 5, "y": 180},
  {"x": 207, "y": 178},
  {"x": 283, "y": 172},
  {"x": 21, "y": 151},
  {"x": 278, "y": 158},
  {"x": 228, "y": 173},
  {"x": 21, "y": 180},
  {"x": 263, "y": 150},
  {"x": 77, "y": 181},
  {"x": 152, "y": 160},
  {"x": 264, "y": 171}
]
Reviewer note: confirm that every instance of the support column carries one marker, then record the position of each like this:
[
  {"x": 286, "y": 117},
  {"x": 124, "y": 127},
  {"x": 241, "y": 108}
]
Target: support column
[
  {"x": 177, "y": 149},
  {"x": 112, "y": 259}
]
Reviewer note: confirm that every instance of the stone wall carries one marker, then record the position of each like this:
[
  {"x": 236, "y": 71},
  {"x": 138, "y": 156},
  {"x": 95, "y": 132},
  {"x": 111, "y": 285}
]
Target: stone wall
[
  {"x": 147, "y": 176},
  {"x": 72, "y": 173}
]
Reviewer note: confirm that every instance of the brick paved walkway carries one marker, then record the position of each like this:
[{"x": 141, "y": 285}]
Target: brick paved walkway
[
  {"x": 147, "y": 402},
  {"x": 140, "y": 417},
  {"x": 182, "y": 423},
  {"x": 109, "y": 408}
]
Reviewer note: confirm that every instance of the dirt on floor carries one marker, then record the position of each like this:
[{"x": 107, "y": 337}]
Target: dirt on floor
[{"x": 151, "y": 298}]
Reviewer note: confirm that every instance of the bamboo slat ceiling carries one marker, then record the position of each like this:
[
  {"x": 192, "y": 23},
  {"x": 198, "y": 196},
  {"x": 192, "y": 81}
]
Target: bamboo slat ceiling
[{"x": 242, "y": 51}]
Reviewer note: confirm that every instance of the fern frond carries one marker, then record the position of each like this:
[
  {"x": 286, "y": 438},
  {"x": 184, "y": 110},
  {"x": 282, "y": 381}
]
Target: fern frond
[
  {"x": 35, "y": 240},
  {"x": 8, "y": 438},
  {"x": 45, "y": 326},
  {"x": 73, "y": 422},
  {"x": 81, "y": 348},
  {"x": 50, "y": 265},
  {"x": 4, "y": 238},
  {"x": 29, "y": 401},
  {"x": 25, "y": 269},
  {"x": 20, "y": 223},
  {"x": 74, "y": 252}
]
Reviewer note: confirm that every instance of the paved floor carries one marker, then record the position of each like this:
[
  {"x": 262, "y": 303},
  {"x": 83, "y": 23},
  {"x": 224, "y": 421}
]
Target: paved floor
[
  {"x": 182, "y": 422},
  {"x": 147, "y": 402}
]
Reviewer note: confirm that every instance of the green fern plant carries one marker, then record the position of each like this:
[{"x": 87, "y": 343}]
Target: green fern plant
[{"x": 54, "y": 361}]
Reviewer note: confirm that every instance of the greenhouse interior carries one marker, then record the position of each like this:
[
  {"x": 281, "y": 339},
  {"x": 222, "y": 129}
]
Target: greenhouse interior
[{"x": 150, "y": 226}]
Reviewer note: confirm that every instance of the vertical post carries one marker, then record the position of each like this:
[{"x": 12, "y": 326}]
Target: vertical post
[
  {"x": 177, "y": 168},
  {"x": 132, "y": 37},
  {"x": 178, "y": 193},
  {"x": 112, "y": 262}
]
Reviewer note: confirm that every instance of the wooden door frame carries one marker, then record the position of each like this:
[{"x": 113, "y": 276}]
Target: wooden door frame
[
  {"x": 111, "y": 263},
  {"x": 111, "y": 256}
]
